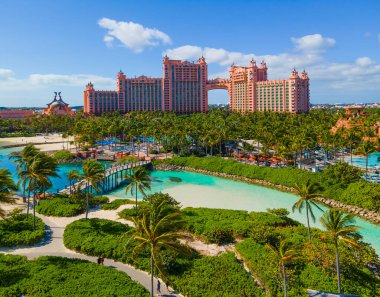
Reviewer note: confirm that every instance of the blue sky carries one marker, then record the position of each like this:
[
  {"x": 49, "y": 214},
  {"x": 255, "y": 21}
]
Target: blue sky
[{"x": 49, "y": 46}]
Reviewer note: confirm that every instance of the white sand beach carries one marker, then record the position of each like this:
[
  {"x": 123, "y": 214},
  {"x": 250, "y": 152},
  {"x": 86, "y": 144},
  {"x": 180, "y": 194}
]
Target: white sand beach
[{"x": 50, "y": 142}]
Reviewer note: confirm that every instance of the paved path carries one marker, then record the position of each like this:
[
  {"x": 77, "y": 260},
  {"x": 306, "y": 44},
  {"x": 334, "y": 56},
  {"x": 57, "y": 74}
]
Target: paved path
[{"x": 53, "y": 246}]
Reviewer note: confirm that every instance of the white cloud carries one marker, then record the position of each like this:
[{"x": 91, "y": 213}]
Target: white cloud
[
  {"x": 6, "y": 74},
  {"x": 313, "y": 43},
  {"x": 363, "y": 61},
  {"x": 42, "y": 81},
  {"x": 37, "y": 89},
  {"x": 132, "y": 35},
  {"x": 308, "y": 52}
]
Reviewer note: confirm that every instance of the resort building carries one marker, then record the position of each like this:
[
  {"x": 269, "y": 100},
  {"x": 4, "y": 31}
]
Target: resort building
[
  {"x": 57, "y": 107},
  {"x": 184, "y": 87},
  {"x": 250, "y": 90},
  {"x": 16, "y": 113}
]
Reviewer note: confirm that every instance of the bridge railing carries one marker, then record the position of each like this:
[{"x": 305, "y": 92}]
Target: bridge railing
[{"x": 83, "y": 184}]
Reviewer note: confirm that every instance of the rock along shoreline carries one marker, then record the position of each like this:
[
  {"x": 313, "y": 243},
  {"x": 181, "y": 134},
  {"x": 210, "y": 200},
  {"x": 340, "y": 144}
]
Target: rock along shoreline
[{"x": 366, "y": 214}]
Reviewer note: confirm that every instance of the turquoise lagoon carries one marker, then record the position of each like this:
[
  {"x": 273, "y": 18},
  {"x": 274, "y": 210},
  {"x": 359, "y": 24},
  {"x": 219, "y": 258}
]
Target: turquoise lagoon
[{"x": 199, "y": 190}]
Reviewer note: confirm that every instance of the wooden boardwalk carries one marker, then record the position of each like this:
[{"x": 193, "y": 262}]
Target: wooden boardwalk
[{"x": 113, "y": 178}]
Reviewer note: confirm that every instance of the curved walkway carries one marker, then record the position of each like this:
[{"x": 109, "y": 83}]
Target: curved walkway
[{"x": 53, "y": 246}]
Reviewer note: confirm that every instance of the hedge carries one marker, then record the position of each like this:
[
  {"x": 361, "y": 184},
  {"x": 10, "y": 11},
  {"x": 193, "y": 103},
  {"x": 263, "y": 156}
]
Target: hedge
[
  {"x": 219, "y": 276},
  {"x": 191, "y": 274},
  {"x": 64, "y": 206},
  {"x": 224, "y": 225},
  {"x": 18, "y": 230},
  {"x": 63, "y": 277}
]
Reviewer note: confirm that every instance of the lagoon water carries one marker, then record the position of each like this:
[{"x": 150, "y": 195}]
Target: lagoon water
[{"x": 200, "y": 190}]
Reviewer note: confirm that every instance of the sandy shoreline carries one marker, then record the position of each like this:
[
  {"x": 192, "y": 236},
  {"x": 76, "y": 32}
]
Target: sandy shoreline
[{"x": 50, "y": 142}]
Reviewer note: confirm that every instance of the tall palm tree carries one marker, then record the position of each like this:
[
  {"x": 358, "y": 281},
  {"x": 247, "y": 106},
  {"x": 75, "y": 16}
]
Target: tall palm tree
[
  {"x": 72, "y": 175},
  {"x": 22, "y": 160},
  {"x": 140, "y": 181},
  {"x": 308, "y": 192},
  {"x": 285, "y": 253},
  {"x": 7, "y": 186},
  {"x": 340, "y": 227},
  {"x": 366, "y": 148},
  {"x": 93, "y": 172},
  {"x": 157, "y": 228},
  {"x": 37, "y": 174}
]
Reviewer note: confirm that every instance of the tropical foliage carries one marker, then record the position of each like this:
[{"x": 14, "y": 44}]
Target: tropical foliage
[
  {"x": 93, "y": 173},
  {"x": 63, "y": 277},
  {"x": 63, "y": 205},
  {"x": 17, "y": 229},
  {"x": 7, "y": 187}
]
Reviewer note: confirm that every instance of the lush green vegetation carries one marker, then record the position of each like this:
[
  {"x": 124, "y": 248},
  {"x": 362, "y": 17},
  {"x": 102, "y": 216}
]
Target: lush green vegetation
[
  {"x": 223, "y": 225},
  {"x": 63, "y": 277},
  {"x": 216, "y": 276},
  {"x": 18, "y": 229},
  {"x": 68, "y": 205},
  {"x": 63, "y": 155},
  {"x": 342, "y": 187},
  {"x": 188, "y": 273},
  {"x": 115, "y": 204}
]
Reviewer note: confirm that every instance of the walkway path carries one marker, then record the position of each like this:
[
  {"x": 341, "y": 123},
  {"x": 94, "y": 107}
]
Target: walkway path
[{"x": 53, "y": 246}]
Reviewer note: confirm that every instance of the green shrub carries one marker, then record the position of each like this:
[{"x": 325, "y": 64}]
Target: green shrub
[
  {"x": 313, "y": 269},
  {"x": 215, "y": 277},
  {"x": 63, "y": 155},
  {"x": 98, "y": 200},
  {"x": 224, "y": 225},
  {"x": 64, "y": 205},
  {"x": 115, "y": 204},
  {"x": 99, "y": 237},
  {"x": 59, "y": 207},
  {"x": 63, "y": 277},
  {"x": 128, "y": 213},
  {"x": 189, "y": 274},
  {"x": 18, "y": 230}
]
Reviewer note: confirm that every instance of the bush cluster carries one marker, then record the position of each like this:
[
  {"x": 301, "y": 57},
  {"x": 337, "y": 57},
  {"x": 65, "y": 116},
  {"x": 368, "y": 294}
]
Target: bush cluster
[
  {"x": 190, "y": 274},
  {"x": 63, "y": 277},
  {"x": 68, "y": 205},
  {"x": 225, "y": 225},
  {"x": 63, "y": 155},
  {"x": 314, "y": 268},
  {"x": 18, "y": 230},
  {"x": 216, "y": 276},
  {"x": 345, "y": 187}
]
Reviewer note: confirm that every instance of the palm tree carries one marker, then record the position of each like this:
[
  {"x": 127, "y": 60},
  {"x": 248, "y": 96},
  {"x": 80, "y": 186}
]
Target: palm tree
[
  {"x": 157, "y": 228},
  {"x": 93, "y": 172},
  {"x": 285, "y": 253},
  {"x": 140, "y": 181},
  {"x": 339, "y": 227},
  {"x": 7, "y": 186},
  {"x": 308, "y": 192},
  {"x": 37, "y": 174},
  {"x": 72, "y": 175},
  {"x": 367, "y": 147},
  {"x": 23, "y": 160}
]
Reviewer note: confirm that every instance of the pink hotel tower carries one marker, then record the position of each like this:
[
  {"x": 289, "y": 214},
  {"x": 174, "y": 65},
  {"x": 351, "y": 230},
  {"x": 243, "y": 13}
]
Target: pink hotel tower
[{"x": 184, "y": 89}]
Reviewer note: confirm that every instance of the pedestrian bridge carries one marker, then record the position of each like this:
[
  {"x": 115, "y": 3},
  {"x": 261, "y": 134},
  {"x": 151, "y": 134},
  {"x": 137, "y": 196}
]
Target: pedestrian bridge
[{"x": 113, "y": 178}]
